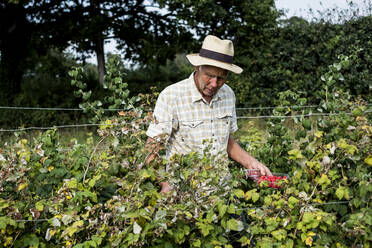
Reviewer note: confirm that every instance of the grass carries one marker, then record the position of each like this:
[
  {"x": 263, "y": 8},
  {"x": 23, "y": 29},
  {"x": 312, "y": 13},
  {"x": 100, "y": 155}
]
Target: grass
[{"x": 247, "y": 126}]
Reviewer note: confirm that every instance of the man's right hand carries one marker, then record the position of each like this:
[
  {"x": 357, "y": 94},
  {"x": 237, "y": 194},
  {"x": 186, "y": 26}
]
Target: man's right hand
[{"x": 165, "y": 188}]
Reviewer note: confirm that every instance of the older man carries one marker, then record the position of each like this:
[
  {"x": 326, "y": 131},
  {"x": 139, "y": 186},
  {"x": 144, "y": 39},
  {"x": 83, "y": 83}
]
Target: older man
[{"x": 200, "y": 110}]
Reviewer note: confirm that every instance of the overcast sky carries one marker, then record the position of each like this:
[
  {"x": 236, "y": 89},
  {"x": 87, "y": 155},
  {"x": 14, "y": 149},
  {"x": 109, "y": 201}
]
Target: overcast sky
[{"x": 300, "y": 7}]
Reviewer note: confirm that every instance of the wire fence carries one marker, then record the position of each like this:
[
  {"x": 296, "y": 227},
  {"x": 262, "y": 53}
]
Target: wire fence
[
  {"x": 118, "y": 109},
  {"x": 298, "y": 107},
  {"x": 184, "y": 121}
]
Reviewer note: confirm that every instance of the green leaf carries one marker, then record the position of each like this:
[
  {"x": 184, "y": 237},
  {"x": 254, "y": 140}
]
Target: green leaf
[
  {"x": 31, "y": 240},
  {"x": 231, "y": 209},
  {"x": 239, "y": 193},
  {"x": 255, "y": 196},
  {"x": 222, "y": 209},
  {"x": 307, "y": 217},
  {"x": 72, "y": 183},
  {"x": 75, "y": 227},
  {"x": 280, "y": 234},
  {"x": 235, "y": 225},
  {"x": 295, "y": 154},
  {"x": 39, "y": 206},
  {"x": 3, "y": 204},
  {"x": 292, "y": 201},
  {"x": 368, "y": 160},
  {"x": 248, "y": 194},
  {"x": 271, "y": 224},
  {"x": 196, "y": 243},
  {"x": 205, "y": 228},
  {"x": 93, "y": 181},
  {"x": 324, "y": 181},
  {"x": 340, "y": 192},
  {"x": 4, "y": 221},
  {"x": 145, "y": 174},
  {"x": 268, "y": 200},
  {"x": 306, "y": 123}
]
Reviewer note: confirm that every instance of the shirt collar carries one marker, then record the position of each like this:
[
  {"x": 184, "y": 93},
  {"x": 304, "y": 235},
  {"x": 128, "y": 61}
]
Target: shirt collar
[{"x": 195, "y": 94}]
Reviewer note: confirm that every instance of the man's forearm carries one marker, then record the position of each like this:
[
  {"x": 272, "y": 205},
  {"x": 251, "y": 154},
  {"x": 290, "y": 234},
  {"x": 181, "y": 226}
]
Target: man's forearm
[
  {"x": 238, "y": 154},
  {"x": 153, "y": 148}
]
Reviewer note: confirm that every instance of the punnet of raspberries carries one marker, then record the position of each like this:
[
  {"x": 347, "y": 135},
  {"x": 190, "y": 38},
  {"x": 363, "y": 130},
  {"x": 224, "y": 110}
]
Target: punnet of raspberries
[{"x": 273, "y": 180}]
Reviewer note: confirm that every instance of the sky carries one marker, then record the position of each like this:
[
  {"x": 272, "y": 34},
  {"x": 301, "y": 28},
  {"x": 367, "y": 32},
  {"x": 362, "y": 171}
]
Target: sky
[
  {"x": 291, "y": 7},
  {"x": 300, "y": 7}
]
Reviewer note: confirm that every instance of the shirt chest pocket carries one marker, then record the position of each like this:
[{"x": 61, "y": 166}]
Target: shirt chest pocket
[{"x": 192, "y": 131}]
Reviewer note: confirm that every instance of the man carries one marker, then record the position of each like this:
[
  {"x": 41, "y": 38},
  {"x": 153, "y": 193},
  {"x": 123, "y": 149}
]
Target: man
[{"x": 201, "y": 108}]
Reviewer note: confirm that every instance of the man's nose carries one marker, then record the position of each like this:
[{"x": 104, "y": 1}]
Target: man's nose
[{"x": 213, "y": 81}]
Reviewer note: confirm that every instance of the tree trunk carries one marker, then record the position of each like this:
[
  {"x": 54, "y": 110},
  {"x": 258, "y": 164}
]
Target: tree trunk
[
  {"x": 15, "y": 38},
  {"x": 100, "y": 60}
]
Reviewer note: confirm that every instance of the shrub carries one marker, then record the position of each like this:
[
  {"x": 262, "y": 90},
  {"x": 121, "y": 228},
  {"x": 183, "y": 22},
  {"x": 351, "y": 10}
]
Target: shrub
[{"x": 102, "y": 194}]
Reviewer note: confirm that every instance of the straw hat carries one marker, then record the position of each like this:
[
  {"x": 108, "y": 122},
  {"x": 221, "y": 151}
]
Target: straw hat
[{"x": 215, "y": 52}]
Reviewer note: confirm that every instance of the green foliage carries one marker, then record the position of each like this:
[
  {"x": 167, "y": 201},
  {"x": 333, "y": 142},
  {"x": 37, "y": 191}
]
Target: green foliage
[
  {"x": 294, "y": 56},
  {"x": 103, "y": 195},
  {"x": 116, "y": 98},
  {"x": 47, "y": 85},
  {"x": 276, "y": 54},
  {"x": 144, "y": 78}
]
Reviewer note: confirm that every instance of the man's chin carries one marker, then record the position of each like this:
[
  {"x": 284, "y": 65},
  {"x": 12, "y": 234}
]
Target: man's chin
[{"x": 209, "y": 93}]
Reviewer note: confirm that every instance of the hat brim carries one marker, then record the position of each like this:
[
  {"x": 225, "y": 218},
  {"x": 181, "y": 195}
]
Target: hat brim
[{"x": 197, "y": 60}]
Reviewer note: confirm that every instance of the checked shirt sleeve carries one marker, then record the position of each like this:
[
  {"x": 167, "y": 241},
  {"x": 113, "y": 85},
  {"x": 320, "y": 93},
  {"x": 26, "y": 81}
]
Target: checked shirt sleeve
[
  {"x": 234, "y": 122},
  {"x": 163, "y": 114}
]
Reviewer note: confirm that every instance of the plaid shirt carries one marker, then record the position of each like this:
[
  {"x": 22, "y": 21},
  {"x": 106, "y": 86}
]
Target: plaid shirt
[{"x": 191, "y": 123}]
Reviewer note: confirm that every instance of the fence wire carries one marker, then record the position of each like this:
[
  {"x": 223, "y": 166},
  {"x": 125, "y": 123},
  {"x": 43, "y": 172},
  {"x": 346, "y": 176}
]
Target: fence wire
[
  {"x": 118, "y": 109},
  {"x": 182, "y": 121}
]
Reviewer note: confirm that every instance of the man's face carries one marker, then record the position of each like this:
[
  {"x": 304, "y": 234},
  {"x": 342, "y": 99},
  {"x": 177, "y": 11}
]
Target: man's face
[{"x": 209, "y": 80}]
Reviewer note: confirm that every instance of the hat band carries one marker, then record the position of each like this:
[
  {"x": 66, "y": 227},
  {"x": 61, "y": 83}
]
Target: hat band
[{"x": 216, "y": 56}]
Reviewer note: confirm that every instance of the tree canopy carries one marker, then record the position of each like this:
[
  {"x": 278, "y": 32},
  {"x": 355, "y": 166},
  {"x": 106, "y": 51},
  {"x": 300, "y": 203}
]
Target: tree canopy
[{"x": 140, "y": 27}]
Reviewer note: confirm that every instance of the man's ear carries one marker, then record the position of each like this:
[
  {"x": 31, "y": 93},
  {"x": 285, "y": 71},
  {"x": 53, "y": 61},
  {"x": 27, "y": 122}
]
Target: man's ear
[{"x": 196, "y": 68}]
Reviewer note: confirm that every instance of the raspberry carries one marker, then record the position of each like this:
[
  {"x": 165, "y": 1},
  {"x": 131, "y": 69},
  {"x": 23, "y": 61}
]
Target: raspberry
[{"x": 273, "y": 180}]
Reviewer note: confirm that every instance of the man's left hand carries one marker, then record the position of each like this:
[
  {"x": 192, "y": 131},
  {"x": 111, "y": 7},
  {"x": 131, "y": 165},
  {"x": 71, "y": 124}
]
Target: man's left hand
[{"x": 255, "y": 165}]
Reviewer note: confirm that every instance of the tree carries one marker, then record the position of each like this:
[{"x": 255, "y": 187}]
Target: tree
[
  {"x": 15, "y": 39},
  {"x": 141, "y": 27}
]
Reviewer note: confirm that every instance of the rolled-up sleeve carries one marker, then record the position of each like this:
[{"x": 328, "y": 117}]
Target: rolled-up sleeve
[{"x": 163, "y": 116}]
